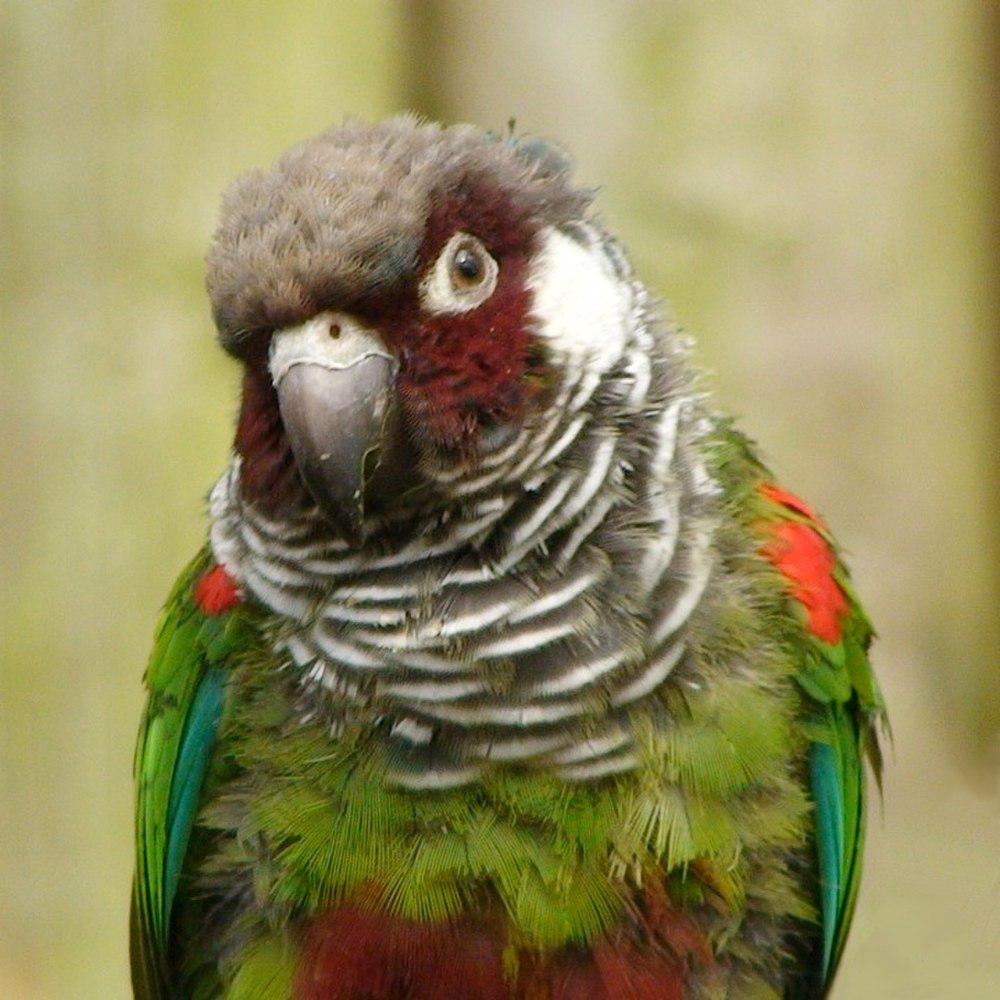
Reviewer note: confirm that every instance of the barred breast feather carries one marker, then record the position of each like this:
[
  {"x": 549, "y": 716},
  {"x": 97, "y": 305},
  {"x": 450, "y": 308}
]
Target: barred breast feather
[{"x": 529, "y": 616}]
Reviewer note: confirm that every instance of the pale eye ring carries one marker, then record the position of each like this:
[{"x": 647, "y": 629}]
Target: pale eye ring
[{"x": 463, "y": 276}]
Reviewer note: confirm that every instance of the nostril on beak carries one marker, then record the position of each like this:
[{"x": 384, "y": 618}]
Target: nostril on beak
[{"x": 334, "y": 331}]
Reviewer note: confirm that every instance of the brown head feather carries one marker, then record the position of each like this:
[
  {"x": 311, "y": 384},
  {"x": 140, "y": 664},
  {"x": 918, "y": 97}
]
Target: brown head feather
[{"x": 340, "y": 218}]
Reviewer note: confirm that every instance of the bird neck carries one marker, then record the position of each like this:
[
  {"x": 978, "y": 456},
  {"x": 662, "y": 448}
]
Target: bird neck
[{"x": 530, "y": 616}]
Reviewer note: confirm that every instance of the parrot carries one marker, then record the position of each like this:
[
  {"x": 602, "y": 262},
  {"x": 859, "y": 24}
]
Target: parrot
[{"x": 506, "y": 668}]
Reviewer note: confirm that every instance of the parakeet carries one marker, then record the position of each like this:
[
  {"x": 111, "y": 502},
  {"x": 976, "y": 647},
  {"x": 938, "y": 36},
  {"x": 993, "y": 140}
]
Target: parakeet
[{"x": 506, "y": 669}]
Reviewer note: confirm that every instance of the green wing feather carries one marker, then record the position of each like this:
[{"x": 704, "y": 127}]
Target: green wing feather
[
  {"x": 841, "y": 687},
  {"x": 185, "y": 681},
  {"x": 843, "y": 694},
  {"x": 838, "y": 678},
  {"x": 838, "y": 791}
]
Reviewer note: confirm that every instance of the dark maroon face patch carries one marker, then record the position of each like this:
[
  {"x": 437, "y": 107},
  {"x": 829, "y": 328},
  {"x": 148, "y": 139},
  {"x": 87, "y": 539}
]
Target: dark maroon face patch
[
  {"x": 353, "y": 221},
  {"x": 269, "y": 475},
  {"x": 466, "y": 374},
  {"x": 342, "y": 218}
]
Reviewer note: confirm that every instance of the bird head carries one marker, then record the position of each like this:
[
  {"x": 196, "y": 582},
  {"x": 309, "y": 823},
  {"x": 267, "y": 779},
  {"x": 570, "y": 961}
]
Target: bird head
[{"x": 404, "y": 298}]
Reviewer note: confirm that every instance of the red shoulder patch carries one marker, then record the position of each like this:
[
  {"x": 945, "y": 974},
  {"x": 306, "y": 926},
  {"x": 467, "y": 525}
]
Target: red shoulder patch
[
  {"x": 804, "y": 557},
  {"x": 216, "y": 591},
  {"x": 791, "y": 501}
]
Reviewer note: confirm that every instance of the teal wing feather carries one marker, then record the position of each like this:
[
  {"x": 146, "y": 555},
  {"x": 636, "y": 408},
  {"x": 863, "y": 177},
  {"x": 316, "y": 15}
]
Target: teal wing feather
[
  {"x": 847, "y": 709},
  {"x": 841, "y": 693},
  {"x": 185, "y": 682}
]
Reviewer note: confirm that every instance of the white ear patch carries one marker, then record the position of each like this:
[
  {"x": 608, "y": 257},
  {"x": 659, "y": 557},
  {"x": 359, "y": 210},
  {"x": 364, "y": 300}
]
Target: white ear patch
[{"x": 580, "y": 305}]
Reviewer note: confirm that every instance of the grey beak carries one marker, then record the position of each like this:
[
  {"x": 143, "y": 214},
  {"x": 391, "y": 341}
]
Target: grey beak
[{"x": 335, "y": 381}]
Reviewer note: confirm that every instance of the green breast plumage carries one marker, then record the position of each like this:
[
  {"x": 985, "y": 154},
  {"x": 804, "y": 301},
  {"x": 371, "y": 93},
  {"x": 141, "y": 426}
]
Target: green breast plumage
[{"x": 579, "y": 707}]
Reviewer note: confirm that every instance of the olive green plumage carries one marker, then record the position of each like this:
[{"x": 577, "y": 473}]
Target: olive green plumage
[
  {"x": 186, "y": 672},
  {"x": 507, "y": 661},
  {"x": 843, "y": 708},
  {"x": 297, "y": 821}
]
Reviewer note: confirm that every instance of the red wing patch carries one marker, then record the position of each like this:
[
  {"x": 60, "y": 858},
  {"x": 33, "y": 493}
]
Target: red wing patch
[
  {"x": 216, "y": 592},
  {"x": 791, "y": 501},
  {"x": 805, "y": 558}
]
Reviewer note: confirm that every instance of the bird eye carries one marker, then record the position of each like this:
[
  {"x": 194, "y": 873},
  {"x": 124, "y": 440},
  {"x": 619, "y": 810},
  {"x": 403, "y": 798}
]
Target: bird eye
[
  {"x": 468, "y": 267},
  {"x": 463, "y": 276}
]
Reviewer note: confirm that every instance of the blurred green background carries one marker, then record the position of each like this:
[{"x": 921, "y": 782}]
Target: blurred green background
[{"x": 810, "y": 185}]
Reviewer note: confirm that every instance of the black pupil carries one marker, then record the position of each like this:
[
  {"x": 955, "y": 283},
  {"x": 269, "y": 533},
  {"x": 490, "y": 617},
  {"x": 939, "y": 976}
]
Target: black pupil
[{"x": 467, "y": 264}]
